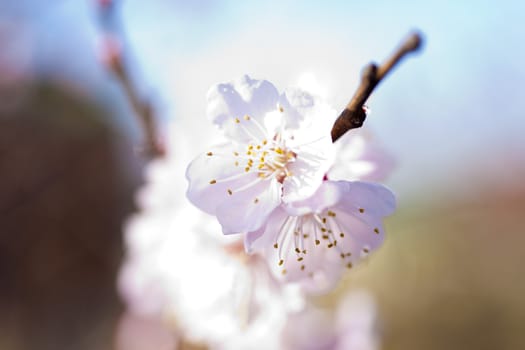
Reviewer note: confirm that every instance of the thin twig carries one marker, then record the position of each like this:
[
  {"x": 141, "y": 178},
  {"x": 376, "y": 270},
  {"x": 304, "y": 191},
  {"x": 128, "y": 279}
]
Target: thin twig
[
  {"x": 115, "y": 60},
  {"x": 142, "y": 109},
  {"x": 354, "y": 114}
]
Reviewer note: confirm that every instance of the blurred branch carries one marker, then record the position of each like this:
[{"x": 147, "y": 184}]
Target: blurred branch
[
  {"x": 115, "y": 61},
  {"x": 354, "y": 114}
]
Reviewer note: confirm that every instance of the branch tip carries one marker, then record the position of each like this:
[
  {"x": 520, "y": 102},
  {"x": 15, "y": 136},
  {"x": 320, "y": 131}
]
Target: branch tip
[
  {"x": 369, "y": 72},
  {"x": 414, "y": 42},
  {"x": 354, "y": 115}
]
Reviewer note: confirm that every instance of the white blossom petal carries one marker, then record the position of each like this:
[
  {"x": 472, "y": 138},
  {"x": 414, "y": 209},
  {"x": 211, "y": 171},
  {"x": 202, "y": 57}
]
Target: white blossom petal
[
  {"x": 315, "y": 154},
  {"x": 216, "y": 176},
  {"x": 326, "y": 196},
  {"x": 375, "y": 199},
  {"x": 249, "y": 211},
  {"x": 244, "y": 97},
  {"x": 265, "y": 236},
  {"x": 360, "y": 157}
]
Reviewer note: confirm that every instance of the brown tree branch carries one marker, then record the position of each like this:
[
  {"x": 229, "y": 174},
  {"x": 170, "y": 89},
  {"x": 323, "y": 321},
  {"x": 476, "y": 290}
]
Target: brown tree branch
[
  {"x": 142, "y": 109},
  {"x": 354, "y": 114},
  {"x": 114, "y": 58}
]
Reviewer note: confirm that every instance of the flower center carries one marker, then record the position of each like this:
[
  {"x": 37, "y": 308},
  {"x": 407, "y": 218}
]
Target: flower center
[
  {"x": 300, "y": 234},
  {"x": 267, "y": 157}
]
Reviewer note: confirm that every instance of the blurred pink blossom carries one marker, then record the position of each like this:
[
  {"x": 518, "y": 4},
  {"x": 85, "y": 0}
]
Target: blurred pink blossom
[
  {"x": 144, "y": 333},
  {"x": 351, "y": 326},
  {"x": 16, "y": 64},
  {"x": 360, "y": 156},
  {"x": 180, "y": 269}
]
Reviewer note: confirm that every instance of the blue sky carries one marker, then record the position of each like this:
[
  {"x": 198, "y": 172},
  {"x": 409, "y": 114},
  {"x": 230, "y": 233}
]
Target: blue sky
[{"x": 457, "y": 105}]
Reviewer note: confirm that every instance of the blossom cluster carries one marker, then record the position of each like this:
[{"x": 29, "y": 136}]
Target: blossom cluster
[
  {"x": 280, "y": 181},
  {"x": 295, "y": 211}
]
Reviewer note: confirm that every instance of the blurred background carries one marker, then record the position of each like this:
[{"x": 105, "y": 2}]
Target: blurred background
[{"x": 450, "y": 273}]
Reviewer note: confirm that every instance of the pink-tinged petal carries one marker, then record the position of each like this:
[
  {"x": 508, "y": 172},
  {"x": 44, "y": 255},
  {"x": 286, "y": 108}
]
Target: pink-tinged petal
[
  {"x": 360, "y": 237},
  {"x": 303, "y": 109},
  {"x": 285, "y": 252},
  {"x": 356, "y": 219},
  {"x": 316, "y": 274},
  {"x": 289, "y": 245},
  {"x": 307, "y": 171},
  {"x": 293, "y": 102},
  {"x": 229, "y": 103},
  {"x": 297, "y": 99},
  {"x": 251, "y": 239},
  {"x": 296, "y": 188},
  {"x": 265, "y": 236},
  {"x": 248, "y": 210},
  {"x": 326, "y": 196},
  {"x": 373, "y": 199},
  {"x": 214, "y": 175},
  {"x": 379, "y": 163},
  {"x": 360, "y": 157}
]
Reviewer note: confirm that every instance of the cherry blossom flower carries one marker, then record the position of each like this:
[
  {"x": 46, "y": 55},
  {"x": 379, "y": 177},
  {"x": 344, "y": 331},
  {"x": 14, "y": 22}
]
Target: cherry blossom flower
[
  {"x": 180, "y": 270},
  {"x": 278, "y": 150},
  {"x": 314, "y": 240}
]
